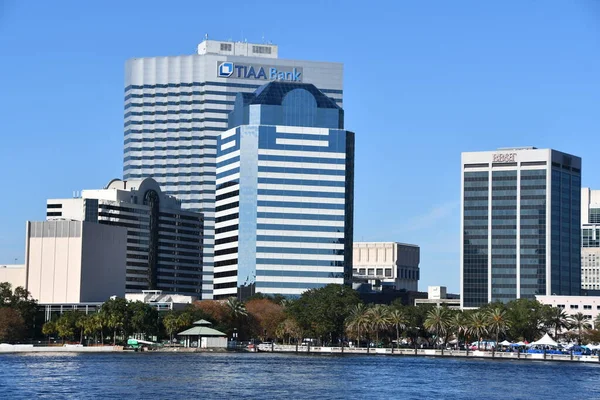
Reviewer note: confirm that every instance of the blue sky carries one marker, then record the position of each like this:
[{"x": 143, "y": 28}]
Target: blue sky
[{"x": 423, "y": 82}]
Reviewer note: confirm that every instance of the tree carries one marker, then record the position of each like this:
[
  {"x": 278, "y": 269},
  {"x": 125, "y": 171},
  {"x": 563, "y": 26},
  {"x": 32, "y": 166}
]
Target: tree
[
  {"x": 378, "y": 320},
  {"x": 497, "y": 322},
  {"x": 290, "y": 328},
  {"x": 580, "y": 322},
  {"x": 557, "y": 319},
  {"x": 81, "y": 323},
  {"x": 478, "y": 326},
  {"x": 171, "y": 323},
  {"x": 66, "y": 324},
  {"x": 49, "y": 328},
  {"x": 399, "y": 320},
  {"x": 143, "y": 318},
  {"x": 458, "y": 325},
  {"x": 526, "y": 317},
  {"x": 115, "y": 315},
  {"x": 268, "y": 314},
  {"x": 174, "y": 321},
  {"x": 357, "y": 321},
  {"x": 5, "y": 294},
  {"x": 12, "y": 325},
  {"x": 437, "y": 322},
  {"x": 322, "y": 312}
]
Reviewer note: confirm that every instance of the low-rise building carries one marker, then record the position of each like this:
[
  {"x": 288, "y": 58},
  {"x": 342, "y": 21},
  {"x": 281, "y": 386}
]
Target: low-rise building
[
  {"x": 161, "y": 301},
  {"x": 387, "y": 265},
  {"x": 438, "y": 296},
  {"x": 70, "y": 264},
  {"x": 587, "y": 305}
]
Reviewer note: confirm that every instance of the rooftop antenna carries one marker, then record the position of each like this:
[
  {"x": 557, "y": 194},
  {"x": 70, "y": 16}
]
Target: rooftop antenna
[{"x": 206, "y": 36}]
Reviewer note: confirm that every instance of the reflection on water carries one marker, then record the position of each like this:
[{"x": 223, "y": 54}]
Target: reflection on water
[{"x": 216, "y": 376}]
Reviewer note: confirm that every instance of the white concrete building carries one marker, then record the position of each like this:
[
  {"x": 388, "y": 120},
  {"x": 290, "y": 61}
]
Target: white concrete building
[
  {"x": 161, "y": 301},
  {"x": 438, "y": 296},
  {"x": 13, "y": 274},
  {"x": 390, "y": 263},
  {"x": 164, "y": 242},
  {"x": 590, "y": 239},
  {"x": 70, "y": 262},
  {"x": 176, "y": 107},
  {"x": 520, "y": 225},
  {"x": 587, "y": 305}
]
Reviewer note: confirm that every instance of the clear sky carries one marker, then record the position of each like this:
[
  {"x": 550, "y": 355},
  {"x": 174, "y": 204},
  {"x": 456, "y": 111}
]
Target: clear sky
[{"x": 423, "y": 81}]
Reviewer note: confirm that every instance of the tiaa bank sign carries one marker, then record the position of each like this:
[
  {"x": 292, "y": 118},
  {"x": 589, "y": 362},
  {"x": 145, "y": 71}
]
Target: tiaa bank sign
[{"x": 228, "y": 69}]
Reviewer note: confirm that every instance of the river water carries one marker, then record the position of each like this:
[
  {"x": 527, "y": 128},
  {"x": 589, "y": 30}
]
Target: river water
[{"x": 279, "y": 376}]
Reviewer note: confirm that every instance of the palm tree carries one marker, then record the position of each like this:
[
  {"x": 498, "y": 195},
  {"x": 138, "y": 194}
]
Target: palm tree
[
  {"x": 580, "y": 322},
  {"x": 236, "y": 308},
  {"x": 399, "y": 320},
  {"x": 357, "y": 320},
  {"x": 458, "y": 324},
  {"x": 478, "y": 326},
  {"x": 437, "y": 322},
  {"x": 378, "y": 319},
  {"x": 81, "y": 323},
  {"x": 498, "y": 321},
  {"x": 558, "y": 319}
]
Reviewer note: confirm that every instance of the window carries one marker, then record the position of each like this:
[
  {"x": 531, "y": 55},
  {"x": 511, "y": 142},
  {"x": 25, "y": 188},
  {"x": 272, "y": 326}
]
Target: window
[
  {"x": 561, "y": 306},
  {"x": 371, "y": 272},
  {"x": 379, "y": 272},
  {"x": 225, "y": 46},
  {"x": 361, "y": 271},
  {"x": 261, "y": 49},
  {"x": 574, "y": 307},
  {"x": 586, "y": 307},
  {"x": 388, "y": 272}
]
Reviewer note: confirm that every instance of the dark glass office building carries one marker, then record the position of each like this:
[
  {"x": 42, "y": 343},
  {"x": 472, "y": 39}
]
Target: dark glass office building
[{"x": 520, "y": 225}]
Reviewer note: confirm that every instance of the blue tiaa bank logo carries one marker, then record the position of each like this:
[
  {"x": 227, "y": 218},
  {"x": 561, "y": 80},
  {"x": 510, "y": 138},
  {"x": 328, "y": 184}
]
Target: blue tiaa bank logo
[{"x": 227, "y": 69}]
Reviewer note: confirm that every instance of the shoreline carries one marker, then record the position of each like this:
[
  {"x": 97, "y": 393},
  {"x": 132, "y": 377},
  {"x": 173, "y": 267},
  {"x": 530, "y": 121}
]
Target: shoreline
[{"x": 319, "y": 351}]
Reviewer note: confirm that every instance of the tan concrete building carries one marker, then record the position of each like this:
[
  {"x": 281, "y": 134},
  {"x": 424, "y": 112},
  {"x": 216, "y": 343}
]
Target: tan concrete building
[
  {"x": 69, "y": 262},
  {"x": 387, "y": 264}
]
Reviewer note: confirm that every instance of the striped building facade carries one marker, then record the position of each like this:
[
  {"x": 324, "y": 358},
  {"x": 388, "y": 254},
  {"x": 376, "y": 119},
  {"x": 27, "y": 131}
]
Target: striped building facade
[
  {"x": 175, "y": 108},
  {"x": 284, "y": 200}
]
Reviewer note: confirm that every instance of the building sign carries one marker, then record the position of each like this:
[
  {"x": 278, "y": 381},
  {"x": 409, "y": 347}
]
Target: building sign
[
  {"x": 228, "y": 69},
  {"x": 505, "y": 158}
]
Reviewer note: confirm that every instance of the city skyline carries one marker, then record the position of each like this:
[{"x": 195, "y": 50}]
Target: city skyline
[{"x": 497, "y": 88}]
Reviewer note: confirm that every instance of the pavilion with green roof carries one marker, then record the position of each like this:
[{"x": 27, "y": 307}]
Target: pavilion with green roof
[{"x": 203, "y": 336}]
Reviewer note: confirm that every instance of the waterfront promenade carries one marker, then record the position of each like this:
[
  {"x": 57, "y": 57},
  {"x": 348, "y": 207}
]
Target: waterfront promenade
[
  {"x": 28, "y": 348},
  {"x": 324, "y": 350}
]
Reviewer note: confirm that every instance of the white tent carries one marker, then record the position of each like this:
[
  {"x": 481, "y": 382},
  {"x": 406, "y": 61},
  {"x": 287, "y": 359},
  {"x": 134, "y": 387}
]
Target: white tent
[
  {"x": 505, "y": 343},
  {"x": 546, "y": 340}
]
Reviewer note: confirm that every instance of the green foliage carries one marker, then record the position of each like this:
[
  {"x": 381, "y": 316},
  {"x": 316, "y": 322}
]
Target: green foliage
[
  {"x": 66, "y": 324},
  {"x": 438, "y": 322},
  {"x": 322, "y": 312},
  {"x": 143, "y": 319},
  {"x": 115, "y": 316},
  {"x": 21, "y": 302},
  {"x": 527, "y": 318},
  {"x": 12, "y": 325}
]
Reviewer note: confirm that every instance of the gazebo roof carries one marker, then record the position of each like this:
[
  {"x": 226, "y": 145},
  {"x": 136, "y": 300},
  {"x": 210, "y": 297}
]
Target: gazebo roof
[
  {"x": 202, "y": 322},
  {"x": 201, "y": 331}
]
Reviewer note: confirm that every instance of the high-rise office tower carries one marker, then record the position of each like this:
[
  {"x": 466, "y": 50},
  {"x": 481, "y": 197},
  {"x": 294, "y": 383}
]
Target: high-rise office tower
[
  {"x": 285, "y": 186},
  {"x": 164, "y": 242},
  {"x": 590, "y": 239},
  {"x": 175, "y": 107},
  {"x": 520, "y": 225}
]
